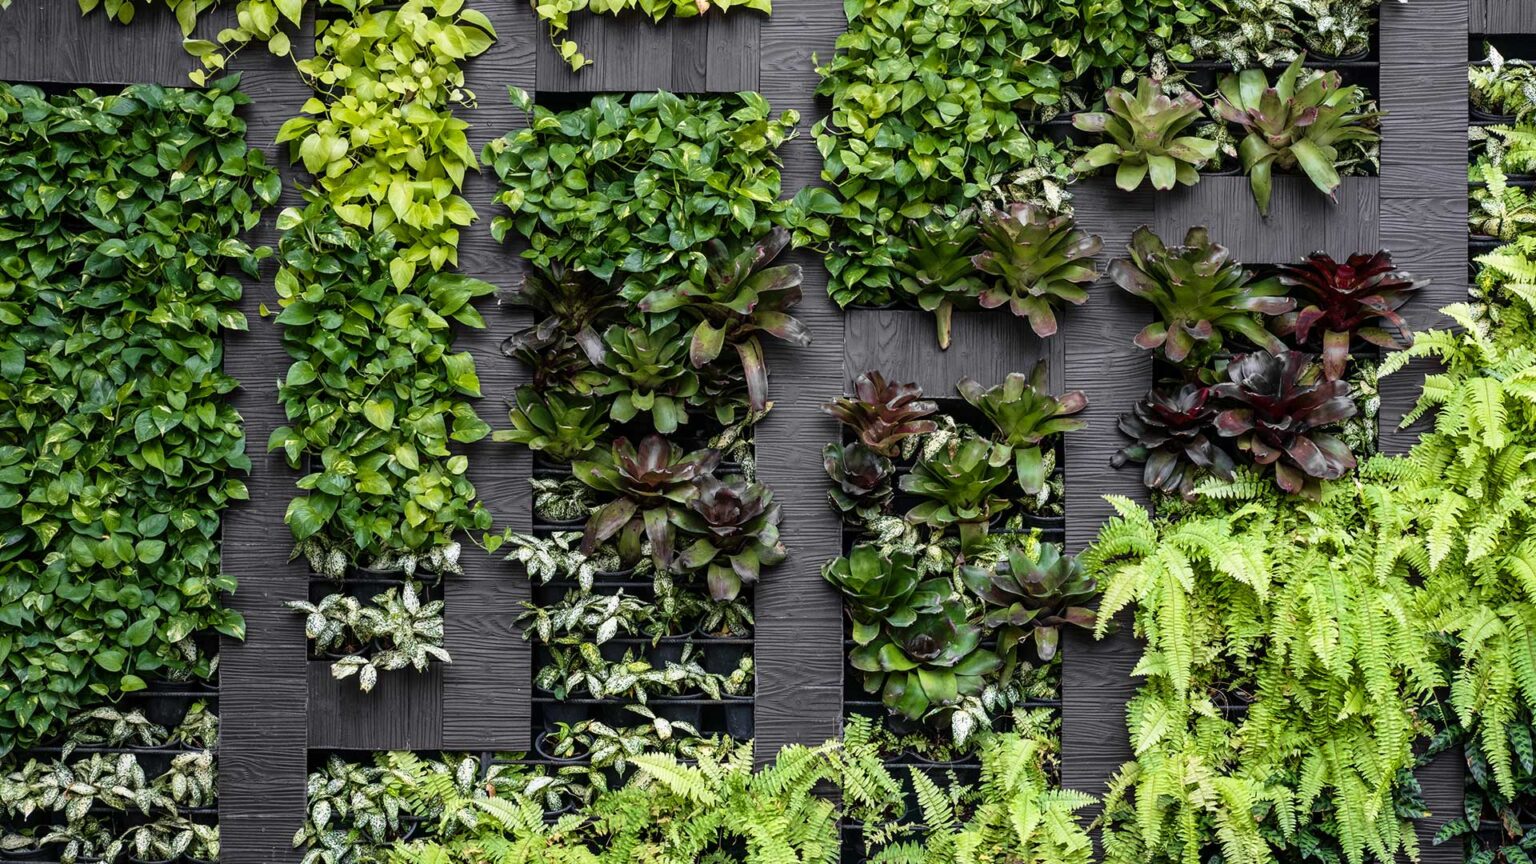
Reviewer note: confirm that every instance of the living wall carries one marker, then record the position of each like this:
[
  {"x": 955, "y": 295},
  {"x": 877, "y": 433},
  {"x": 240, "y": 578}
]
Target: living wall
[
  {"x": 123, "y": 255},
  {"x": 664, "y": 481}
]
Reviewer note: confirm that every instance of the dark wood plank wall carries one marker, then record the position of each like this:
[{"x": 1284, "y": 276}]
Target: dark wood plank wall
[
  {"x": 1423, "y": 89},
  {"x": 263, "y": 680},
  {"x": 1495, "y": 17},
  {"x": 799, "y": 635},
  {"x": 276, "y": 704},
  {"x": 1101, "y": 360},
  {"x": 714, "y": 53},
  {"x": 1301, "y": 221},
  {"x": 487, "y": 687}
]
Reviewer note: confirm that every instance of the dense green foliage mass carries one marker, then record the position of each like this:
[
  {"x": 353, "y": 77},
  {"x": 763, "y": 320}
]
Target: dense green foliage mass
[
  {"x": 640, "y": 186},
  {"x": 375, "y": 393},
  {"x": 120, "y": 225},
  {"x": 1339, "y": 619}
]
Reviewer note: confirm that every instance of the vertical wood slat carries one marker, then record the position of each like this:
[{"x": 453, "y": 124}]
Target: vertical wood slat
[
  {"x": 799, "y": 634},
  {"x": 1424, "y": 93},
  {"x": 1423, "y": 90},
  {"x": 486, "y": 689},
  {"x": 1502, "y": 17},
  {"x": 1102, "y": 361},
  {"x": 263, "y": 680}
]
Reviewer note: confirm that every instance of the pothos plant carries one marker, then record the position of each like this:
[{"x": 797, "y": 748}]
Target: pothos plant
[
  {"x": 384, "y": 147},
  {"x": 120, "y": 263},
  {"x": 375, "y": 394},
  {"x": 639, "y": 186},
  {"x": 900, "y": 150}
]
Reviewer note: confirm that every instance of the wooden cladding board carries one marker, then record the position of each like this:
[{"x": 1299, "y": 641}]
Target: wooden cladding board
[
  {"x": 713, "y": 53},
  {"x": 1100, "y": 359},
  {"x": 1423, "y": 90},
  {"x": 1301, "y": 219},
  {"x": 277, "y": 704},
  {"x": 799, "y": 635},
  {"x": 1502, "y": 17}
]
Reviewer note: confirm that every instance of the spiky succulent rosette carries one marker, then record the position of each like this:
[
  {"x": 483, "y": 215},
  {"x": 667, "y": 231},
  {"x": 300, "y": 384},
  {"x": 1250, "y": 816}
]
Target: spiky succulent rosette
[
  {"x": 651, "y": 482},
  {"x": 882, "y": 413},
  {"x": 1040, "y": 262},
  {"x": 1168, "y": 432},
  {"x": 861, "y": 478},
  {"x": 1033, "y": 592},
  {"x": 1202, "y": 296},
  {"x": 735, "y": 526},
  {"x": 1280, "y": 404},
  {"x": 1345, "y": 301}
]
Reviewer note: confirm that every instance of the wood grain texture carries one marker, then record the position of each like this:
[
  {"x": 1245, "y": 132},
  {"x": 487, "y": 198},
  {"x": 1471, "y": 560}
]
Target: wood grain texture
[
  {"x": 799, "y": 635},
  {"x": 901, "y": 343},
  {"x": 1423, "y": 88},
  {"x": 1503, "y": 17},
  {"x": 1301, "y": 219},
  {"x": 47, "y": 41},
  {"x": 486, "y": 687},
  {"x": 1424, "y": 208},
  {"x": 264, "y": 691},
  {"x": 714, "y": 53},
  {"x": 403, "y": 712},
  {"x": 1101, "y": 360}
]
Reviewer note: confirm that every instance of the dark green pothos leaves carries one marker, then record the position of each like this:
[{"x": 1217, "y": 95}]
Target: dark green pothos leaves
[
  {"x": 692, "y": 170},
  {"x": 120, "y": 224}
]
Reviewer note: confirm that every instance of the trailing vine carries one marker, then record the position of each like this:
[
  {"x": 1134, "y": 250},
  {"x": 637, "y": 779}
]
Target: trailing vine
[
  {"x": 119, "y": 245},
  {"x": 376, "y": 397}
]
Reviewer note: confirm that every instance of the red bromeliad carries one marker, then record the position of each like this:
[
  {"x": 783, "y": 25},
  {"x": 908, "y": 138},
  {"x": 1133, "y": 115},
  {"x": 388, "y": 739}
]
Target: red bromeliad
[{"x": 1346, "y": 300}]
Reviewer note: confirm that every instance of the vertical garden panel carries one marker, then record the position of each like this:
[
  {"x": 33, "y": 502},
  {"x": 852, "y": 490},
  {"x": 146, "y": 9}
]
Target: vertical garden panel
[{"x": 282, "y": 711}]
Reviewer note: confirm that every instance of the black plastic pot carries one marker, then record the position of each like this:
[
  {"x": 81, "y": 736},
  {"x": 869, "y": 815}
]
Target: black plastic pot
[
  {"x": 546, "y": 464},
  {"x": 569, "y": 713},
  {"x": 610, "y": 577},
  {"x": 722, "y": 658},
  {"x": 1052, "y": 528},
  {"x": 545, "y": 750},
  {"x": 1330, "y": 60},
  {"x": 133, "y": 860},
  {"x": 919, "y": 759},
  {"x": 1488, "y": 117},
  {"x": 740, "y": 717},
  {"x": 39, "y": 853},
  {"x": 677, "y": 711},
  {"x": 542, "y": 521}
]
